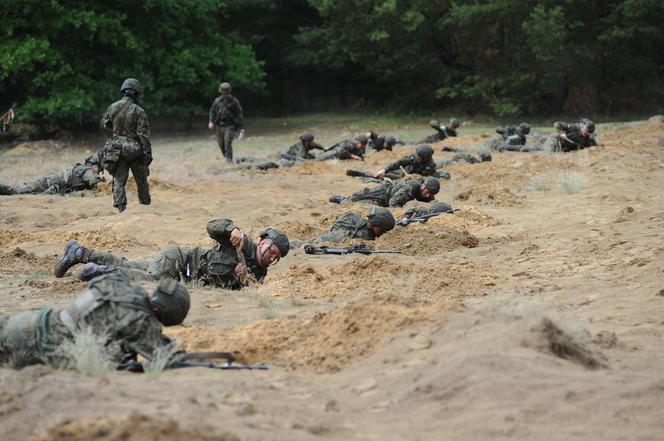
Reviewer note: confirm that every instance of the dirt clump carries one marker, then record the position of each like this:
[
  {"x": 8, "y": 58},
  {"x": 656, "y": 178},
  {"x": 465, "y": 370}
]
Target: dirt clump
[
  {"x": 20, "y": 261},
  {"x": 565, "y": 346},
  {"x": 13, "y": 237},
  {"x": 325, "y": 343},
  {"x": 490, "y": 195},
  {"x": 129, "y": 428},
  {"x": 423, "y": 239}
]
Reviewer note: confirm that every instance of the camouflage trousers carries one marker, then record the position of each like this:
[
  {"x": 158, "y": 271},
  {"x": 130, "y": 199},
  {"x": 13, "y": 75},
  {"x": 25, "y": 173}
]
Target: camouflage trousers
[
  {"x": 49, "y": 184},
  {"x": 20, "y": 338},
  {"x": 376, "y": 195},
  {"x": 225, "y": 136},
  {"x": 330, "y": 154},
  {"x": 120, "y": 176},
  {"x": 171, "y": 261}
]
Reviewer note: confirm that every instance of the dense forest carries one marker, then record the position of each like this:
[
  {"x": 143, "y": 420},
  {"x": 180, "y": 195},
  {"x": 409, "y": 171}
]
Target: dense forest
[{"x": 62, "y": 62}]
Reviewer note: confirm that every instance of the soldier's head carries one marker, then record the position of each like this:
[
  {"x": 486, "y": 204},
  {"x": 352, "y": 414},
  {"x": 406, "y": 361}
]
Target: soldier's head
[
  {"x": 131, "y": 87},
  {"x": 272, "y": 246},
  {"x": 435, "y": 124},
  {"x": 429, "y": 187},
  {"x": 390, "y": 142},
  {"x": 485, "y": 157},
  {"x": 380, "y": 220},
  {"x": 170, "y": 302},
  {"x": 93, "y": 162},
  {"x": 361, "y": 141},
  {"x": 424, "y": 153},
  {"x": 587, "y": 126},
  {"x": 307, "y": 139},
  {"x": 371, "y": 135},
  {"x": 453, "y": 124},
  {"x": 525, "y": 128},
  {"x": 225, "y": 89}
]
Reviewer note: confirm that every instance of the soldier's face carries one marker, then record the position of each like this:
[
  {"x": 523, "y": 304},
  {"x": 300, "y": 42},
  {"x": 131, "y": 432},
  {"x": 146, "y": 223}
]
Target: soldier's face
[
  {"x": 225, "y": 93},
  {"x": 424, "y": 191},
  {"x": 584, "y": 130},
  {"x": 376, "y": 230},
  {"x": 96, "y": 168},
  {"x": 308, "y": 142},
  {"x": 268, "y": 252}
]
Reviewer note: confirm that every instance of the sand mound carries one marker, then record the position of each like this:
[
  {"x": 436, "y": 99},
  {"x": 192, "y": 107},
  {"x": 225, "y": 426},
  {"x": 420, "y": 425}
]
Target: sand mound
[
  {"x": 326, "y": 343},
  {"x": 308, "y": 168},
  {"x": 13, "y": 237},
  {"x": 156, "y": 185},
  {"x": 426, "y": 239},
  {"x": 490, "y": 195},
  {"x": 377, "y": 275},
  {"x": 19, "y": 261},
  {"x": 129, "y": 428},
  {"x": 300, "y": 230}
]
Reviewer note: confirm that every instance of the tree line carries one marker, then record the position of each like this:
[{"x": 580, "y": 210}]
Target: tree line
[{"x": 63, "y": 62}]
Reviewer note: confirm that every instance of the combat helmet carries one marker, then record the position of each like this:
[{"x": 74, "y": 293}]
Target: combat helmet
[
  {"x": 224, "y": 87},
  {"x": 171, "y": 300},
  {"x": 525, "y": 128},
  {"x": 424, "y": 151},
  {"x": 454, "y": 123},
  {"x": 432, "y": 184},
  {"x": 278, "y": 237},
  {"x": 307, "y": 137},
  {"x": 589, "y": 124},
  {"x": 131, "y": 84},
  {"x": 362, "y": 139},
  {"x": 485, "y": 157},
  {"x": 390, "y": 141},
  {"x": 382, "y": 218}
]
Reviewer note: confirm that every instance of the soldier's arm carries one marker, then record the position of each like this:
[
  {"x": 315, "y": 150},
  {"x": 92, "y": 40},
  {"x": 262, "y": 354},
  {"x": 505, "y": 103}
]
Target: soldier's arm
[
  {"x": 150, "y": 339},
  {"x": 500, "y": 130},
  {"x": 316, "y": 146},
  {"x": 395, "y": 165},
  {"x": 143, "y": 131},
  {"x": 239, "y": 116},
  {"x": 403, "y": 195},
  {"x": 91, "y": 178},
  {"x": 429, "y": 169},
  {"x": 107, "y": 120},
  {"x": 220, "y": 229},
  {"x": 213, "y": 112}
]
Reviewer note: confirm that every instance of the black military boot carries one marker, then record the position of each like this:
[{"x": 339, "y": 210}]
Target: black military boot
[
  {"x": 337, "y": 199},
  {"x": 121, "y": 208},
  {"x": 74, "y": 253},
  {"x": 6, "y": 190},
  {"x": 92, "y": 270}
]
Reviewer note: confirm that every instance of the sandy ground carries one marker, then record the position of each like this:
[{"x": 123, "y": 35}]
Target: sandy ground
[{"x": 531, "y": 313}]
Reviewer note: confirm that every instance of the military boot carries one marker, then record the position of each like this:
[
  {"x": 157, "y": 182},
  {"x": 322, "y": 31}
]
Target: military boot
[
  {"x": 92, "y": 270},
  {"x": 6, "y": 190},
  {"x": 74, "y": 253},
  {"x": 337, "y": 199}
]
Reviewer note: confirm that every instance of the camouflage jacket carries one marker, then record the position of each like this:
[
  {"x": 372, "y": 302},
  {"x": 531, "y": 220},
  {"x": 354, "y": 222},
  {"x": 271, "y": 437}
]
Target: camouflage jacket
[
  {"x": 80, "y": 177},
  {"x": 126, "y": 118},
  {"x": 354, "y": 226},
  {"x": 110, "y": 307},
  {"x": 441, "y": 133},
  {"x": 412, "y": 165},
  {"x": 345, "y": 149},
  {"x": 377, "y": 143},
  {"x": 392, "y": 194},
  {"x": 227, "y": 112},
  {"x": 512, "y": 135},
  {"x": 299, "y": 151},
  {"x": 216, "y": 266},
  {"x": 574, "y": 138}
]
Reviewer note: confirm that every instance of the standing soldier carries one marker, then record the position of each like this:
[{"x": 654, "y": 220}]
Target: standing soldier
[
  {"x": 226, "y": 115},
  {"x": 129, "y": 146}
]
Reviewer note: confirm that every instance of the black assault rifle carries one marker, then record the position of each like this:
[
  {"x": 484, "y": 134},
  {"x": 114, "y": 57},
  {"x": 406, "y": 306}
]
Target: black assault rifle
[
  {"x": 342, "y": 251},
  {"x": 136, "y": 366},
  {"x": 422, "y": 218}
]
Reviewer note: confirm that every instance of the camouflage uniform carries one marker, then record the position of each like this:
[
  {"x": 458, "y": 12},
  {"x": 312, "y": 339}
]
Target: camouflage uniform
[
  {"x": 411, "y": 165},
  {"x": 574, "y": 141},
  {"x": 464, "y": 157},
  {"x": 76, "y": 178},
  {"x": 110, "y": 306},
  {"x": 214, "y": 266},
  {"x": 435, "y": 208},
  {"x": 226, "y": 114},
  {"x": 377, "y": 142},
  {"x": 296, "y": 154},
  {"x": 128, "y": 148},
  {"x": 343, "y": 150},
  {"x": 392, "y": 194},
  {"x": 348, "y": 225},
  {"x": 442, "y": 132},
  {"x": 511, "y": 138}
]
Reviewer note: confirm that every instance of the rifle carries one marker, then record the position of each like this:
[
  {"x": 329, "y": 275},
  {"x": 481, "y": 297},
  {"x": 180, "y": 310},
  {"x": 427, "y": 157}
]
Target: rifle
[
  {"x": 135, "y": 366},
  {"x": 342, "y": 251},
  {"x": 422, "y": 218}
]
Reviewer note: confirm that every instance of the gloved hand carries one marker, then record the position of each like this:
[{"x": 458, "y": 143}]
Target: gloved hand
[{"x": 147, "y": 158}]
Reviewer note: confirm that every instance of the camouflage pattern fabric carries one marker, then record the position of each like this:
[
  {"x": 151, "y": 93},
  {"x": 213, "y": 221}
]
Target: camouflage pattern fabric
[
  {"x": 300, "y": 152},
  {"x": 227, "y": 115},
  {"x": 392, "y": 194},
  {"x": 574, "y": 141},
  {"x": 441, "y": 133},
  {"x": 214, "y": 266},
  {"x": 342, "y": 150},
  {"x": 124, "y": 150},
  {"x": 411, "y": 165},
  {"x": 461, "y": 157},
  {"x": 75, "y": 178},
  {"x": 123, "y": 317},
  {"x": 347, "y": 225}
]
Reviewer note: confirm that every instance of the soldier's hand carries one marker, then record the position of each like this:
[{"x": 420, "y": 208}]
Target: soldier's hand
[
  {"x": 241, "y": 270},
  {"x": 380, "y": 174},
  {"x": 210, "y": 126},
  {"x": 563, "y": 136},
  {"x": 237, "y": 238},
  {"x": 556, "y": 124}
]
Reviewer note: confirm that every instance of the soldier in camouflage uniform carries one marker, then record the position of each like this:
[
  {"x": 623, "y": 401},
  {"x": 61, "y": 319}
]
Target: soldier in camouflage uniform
[
  {"x": 381, "y": 142},
  {"x": 420, "y": 163},
  {"x": 226, "y": 114},
  {"x": 129, "y": 146},
  {"x": 435, "y": 208},
  {"x": 351, "y": 225},
  {"x": 124, "y": 315},
  {"x": 75, "y": 178},
  {"x": 296, "y": 154},
  {"x": 230, "y": 264},
  {"x": 354, "y": 149},
  {"x": 511, "y": 137},
  {"x": 464, "y": 157},
  {"x": 395, "y": 194},
  {"x": 442, "y": 132},
  {"x": 572, "y": 136}
]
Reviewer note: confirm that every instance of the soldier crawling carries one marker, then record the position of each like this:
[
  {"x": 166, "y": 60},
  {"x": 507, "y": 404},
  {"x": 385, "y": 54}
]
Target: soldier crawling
[
  {"x": 395, "y": 194},
  {"x": 129, "y": 146},
  {"x": 231, "y": 264},
  {"x": 125, "y": 315},
  {"x": 442, "y": 132},
  {"x": 465, "y": 157},
  {"x": 572, "y": 136},
  {"x": 511, "y": 138},
  {"x": 354, "y": 149},
  {"x": 351, "y": 225},
  {"x": 296, "y": 154},
  {"x": 381, "y": 142},
  {"x": 75, "y": 178},
  {"x": 420, "y": 163}
]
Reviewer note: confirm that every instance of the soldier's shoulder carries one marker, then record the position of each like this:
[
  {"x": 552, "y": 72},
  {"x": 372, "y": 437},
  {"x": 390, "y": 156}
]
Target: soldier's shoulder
[{"x": 218, "y": 99}]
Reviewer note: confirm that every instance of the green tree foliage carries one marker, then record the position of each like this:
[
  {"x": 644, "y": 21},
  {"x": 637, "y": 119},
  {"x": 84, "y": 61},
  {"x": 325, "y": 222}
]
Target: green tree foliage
[{"x": 64, "y": 61}]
